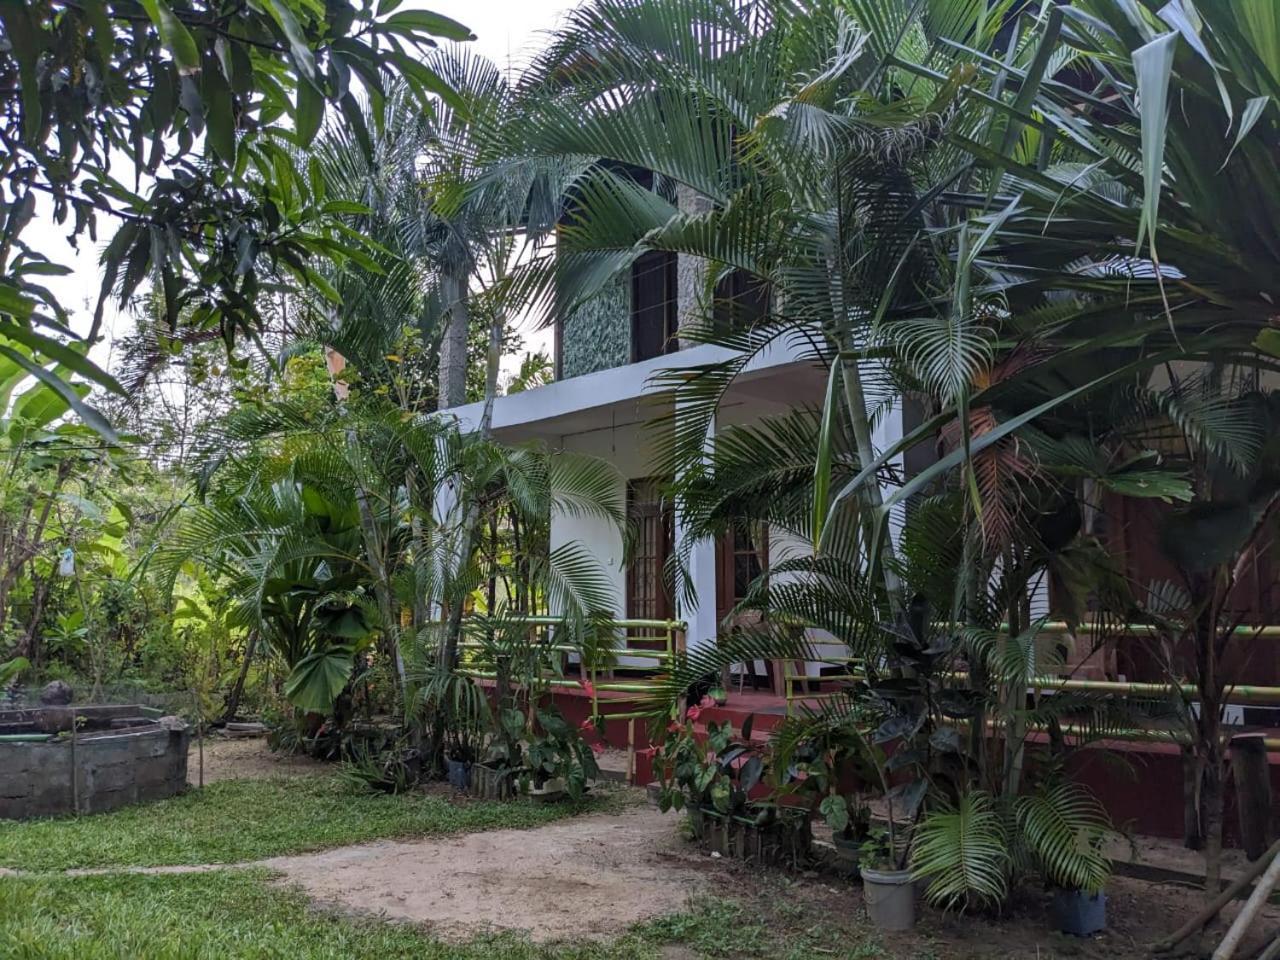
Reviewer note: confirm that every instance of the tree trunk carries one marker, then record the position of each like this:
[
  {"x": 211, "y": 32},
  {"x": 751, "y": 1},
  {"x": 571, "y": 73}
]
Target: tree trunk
[
  {"x": 1209, "y": 736},
  {"x": 471, "y": 525},
  {"x": 237, "y": 689},
  {"x": 453, "y": 344},
  {"x": 472, "y": 530},
  {"x": 29, "y": 647}
]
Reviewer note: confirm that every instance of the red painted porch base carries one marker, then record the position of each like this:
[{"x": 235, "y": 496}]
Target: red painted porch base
[{"x": 1140, "y": 784}]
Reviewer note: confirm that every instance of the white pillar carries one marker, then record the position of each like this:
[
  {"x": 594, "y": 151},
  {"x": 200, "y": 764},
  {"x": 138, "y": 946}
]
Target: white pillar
[{"x": 698, "y": 612}]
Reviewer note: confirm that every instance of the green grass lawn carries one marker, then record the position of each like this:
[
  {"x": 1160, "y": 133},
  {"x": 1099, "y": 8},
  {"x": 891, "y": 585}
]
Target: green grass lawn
[
  {"x": 233, "y": 914},
  {"x": 237, "y": 820}
]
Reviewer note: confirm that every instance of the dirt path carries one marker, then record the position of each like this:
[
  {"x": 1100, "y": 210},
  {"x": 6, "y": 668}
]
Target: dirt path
[
  {"x": 248, "y": 759},
  {"x": 590, "y": 877}
]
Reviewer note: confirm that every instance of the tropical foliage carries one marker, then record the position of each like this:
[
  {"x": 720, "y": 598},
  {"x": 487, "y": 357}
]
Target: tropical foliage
[{"x": 1021, "y": 222}]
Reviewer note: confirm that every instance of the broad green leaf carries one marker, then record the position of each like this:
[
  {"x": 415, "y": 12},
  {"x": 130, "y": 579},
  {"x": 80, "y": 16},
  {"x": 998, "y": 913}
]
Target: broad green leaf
[
  {"x": 346, "y": 206},
  {"x": 1153, "y": 64},
  {"x": 435, "y": 24},
  {"x": 826, "y": 440},
  {"x": 308, "y": 114},
  {"x": 39, "y": 405},
  {"x": 177, "y": 39},
  {"x": 67, "y": 391},
  {"x": 219, "y": 113},
  {"x": 14, "y": 302},
  {"x": 26, "y": 42},
  {"x": 1268, "y": 341},
  {"x": 317, "y": 679},
  {"x": 70, "y": 356},
  {"x": 299, "y": 49},
  {"x": 1248, "y": 117},
  {"x": 11, "y": 374}
]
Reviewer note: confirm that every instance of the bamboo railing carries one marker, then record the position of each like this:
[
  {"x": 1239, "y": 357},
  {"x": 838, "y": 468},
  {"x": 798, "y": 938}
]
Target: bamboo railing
[{"x": 1236, "y": 695}]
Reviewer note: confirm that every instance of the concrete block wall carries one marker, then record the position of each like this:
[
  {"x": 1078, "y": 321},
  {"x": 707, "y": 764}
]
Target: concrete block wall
[{"x": 103, "y": 772}]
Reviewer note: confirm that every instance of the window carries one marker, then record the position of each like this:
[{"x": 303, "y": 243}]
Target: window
[
  {"x": 647, "y": 595},
  {"x": 742, "y": 556},
  {"x": 741, "y": 301},
  {"x": 654, "y": 313}
]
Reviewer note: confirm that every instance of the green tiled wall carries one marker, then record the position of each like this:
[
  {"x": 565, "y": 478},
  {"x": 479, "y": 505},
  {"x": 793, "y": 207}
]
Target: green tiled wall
[{"x": 597, "y": 336}]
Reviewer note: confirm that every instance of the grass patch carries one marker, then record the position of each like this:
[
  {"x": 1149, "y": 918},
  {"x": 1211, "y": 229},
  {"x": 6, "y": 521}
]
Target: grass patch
[
  {"x": 716, "y": 927},
  {"x": 235, "y": 913},
  {"x": 211, "y": 916},
  {"x": 237, "y": 820}
]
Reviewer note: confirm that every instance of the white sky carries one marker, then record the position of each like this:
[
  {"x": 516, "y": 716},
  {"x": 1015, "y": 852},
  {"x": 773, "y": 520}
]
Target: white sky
[{"x": 507, "y": 32}]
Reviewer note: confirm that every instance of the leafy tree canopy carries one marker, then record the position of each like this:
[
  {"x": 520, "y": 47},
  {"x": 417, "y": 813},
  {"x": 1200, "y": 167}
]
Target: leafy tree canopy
[{"x": 175, "y": 120}]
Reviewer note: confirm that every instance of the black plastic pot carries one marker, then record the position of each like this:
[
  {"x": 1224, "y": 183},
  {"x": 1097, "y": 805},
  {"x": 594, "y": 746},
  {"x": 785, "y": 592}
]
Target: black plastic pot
[
  {"x": 848, "y": 853},
  {"x": 1078, "y": 913},
  {"x": 458, "y": 773}
]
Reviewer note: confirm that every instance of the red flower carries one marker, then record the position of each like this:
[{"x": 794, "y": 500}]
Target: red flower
[
  {"x": 597, "y": 748},
  {"x": 587, "y": 725},
  {"x": 693, "y": 713},
  {"x": 649, "y": 752},
  {"x": 588, "y": 688}
]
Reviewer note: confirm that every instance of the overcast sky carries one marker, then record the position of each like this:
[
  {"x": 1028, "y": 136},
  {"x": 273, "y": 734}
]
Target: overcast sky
[{"x": 507, "y": 32}]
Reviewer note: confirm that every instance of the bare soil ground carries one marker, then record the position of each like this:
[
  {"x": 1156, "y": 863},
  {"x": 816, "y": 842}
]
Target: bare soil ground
[
  {"x": 587, "y": 878},
  {"x": 593, "y": 877},
  {"x": 248, "y": 759},
  {"x": 1138, "y": 913}
]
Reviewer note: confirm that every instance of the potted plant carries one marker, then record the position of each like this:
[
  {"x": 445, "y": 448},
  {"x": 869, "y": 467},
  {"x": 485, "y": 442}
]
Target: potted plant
[
  {"x": 460, "y": 755},
  {"x": 1064, "y": 828},
  {"x": 888, "y": 886},
  {"x": 557, "y": 760},
  {"x": 687, "y": 772},
  {"x": 494, "y": 777},
  {"x": 850, "y": 821}
]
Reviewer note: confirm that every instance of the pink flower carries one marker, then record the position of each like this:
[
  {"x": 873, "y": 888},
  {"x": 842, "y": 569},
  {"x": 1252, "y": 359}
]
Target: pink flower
[
  {"x": 693, "y": 713},
  {"x": 706, "y": 702},
  {"x": 649, "y": 752},
  {"x": 587, "y": 725},
  {"x": 588, "y": 688},
  {"x": 597, "y": 748}
]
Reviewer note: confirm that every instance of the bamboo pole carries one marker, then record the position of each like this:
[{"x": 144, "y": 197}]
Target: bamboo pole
[
  {"x": 1272, "y": 950},
  {"x": 1227, "y": 949},
  {"x": 1208, "y": 913}
]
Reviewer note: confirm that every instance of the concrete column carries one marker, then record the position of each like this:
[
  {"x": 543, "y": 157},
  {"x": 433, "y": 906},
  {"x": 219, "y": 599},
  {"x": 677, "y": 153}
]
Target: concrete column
[
  {"x": 691, "y": 271},
  {"x": 700, "y": 612}
]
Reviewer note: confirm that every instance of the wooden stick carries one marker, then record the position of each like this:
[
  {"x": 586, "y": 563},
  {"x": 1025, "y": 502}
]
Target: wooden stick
[
  {"x": 631, "y": 751},
  {"x": 75, "y": 778},
  {"x": 1208, "y": 913},
  {"x": 1227, "y": 949},
  {"x": 1253, "y": 792}
]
